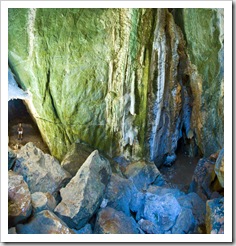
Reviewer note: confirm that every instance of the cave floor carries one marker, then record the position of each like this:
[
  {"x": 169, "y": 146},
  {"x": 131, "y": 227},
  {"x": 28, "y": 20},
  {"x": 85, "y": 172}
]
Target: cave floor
[{"x": 180, "y": 173}]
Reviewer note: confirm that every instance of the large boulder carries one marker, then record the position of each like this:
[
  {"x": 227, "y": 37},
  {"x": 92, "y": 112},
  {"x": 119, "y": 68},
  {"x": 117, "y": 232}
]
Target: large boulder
[
  {"x": 11, "y": 158},
  {"x": 119, "y": 193},
  {"x": 111, "y": 221},
  {"x": 149, "y": 227},
  {"x": 185, "y": 222},
  {"x": 43, "y": 201},
  {"x": 19, "y": 199},
  {"x": 141, "y": 173},
  {"x": 215, "y": 216},
  {"x": 42, "y": 172},
  {"x": 75, "y": 157},
  {"x": 161, "y": 210},
  {"x": 84, "y": 193},
  {"x": 44, "y": 222},
  {"x": 219, "y": 167}
]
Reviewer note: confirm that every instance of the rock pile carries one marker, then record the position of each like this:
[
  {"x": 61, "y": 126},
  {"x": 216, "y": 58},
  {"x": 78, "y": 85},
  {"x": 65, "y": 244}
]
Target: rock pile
[{"x": 44, "y": 198}]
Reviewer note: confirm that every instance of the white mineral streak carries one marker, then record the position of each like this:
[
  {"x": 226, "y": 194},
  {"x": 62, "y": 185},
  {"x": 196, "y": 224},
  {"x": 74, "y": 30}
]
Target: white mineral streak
[
  {"x": 14, "y": 92},
  {"x": 31, "y": 20},
  {"x": 159, "y": 46}
]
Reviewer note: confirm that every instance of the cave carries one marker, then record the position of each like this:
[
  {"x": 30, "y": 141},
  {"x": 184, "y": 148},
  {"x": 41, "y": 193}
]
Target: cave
[{"x": 18, "y": 113}]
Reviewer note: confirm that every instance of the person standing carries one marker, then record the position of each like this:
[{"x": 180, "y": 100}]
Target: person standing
[{"x": 20, "y": 131}]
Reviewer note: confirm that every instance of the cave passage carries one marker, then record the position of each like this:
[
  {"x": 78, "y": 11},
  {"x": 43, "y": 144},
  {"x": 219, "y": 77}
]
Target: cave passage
[
  {"x": 181, "y": 172},
  {"x": 17, "y": 113}
]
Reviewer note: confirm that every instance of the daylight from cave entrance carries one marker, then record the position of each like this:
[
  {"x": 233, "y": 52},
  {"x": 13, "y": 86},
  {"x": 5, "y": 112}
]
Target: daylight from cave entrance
[{"x": 115, "y": 121}]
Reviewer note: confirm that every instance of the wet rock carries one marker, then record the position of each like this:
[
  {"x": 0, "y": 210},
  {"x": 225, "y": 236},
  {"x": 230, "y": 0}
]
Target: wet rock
[
  {"x": 84, "y": 193},
  {"x": 137, "y": 204},
  {"x": 19, "y": 199},
  {"x": 11, "y": 158},
  {"x": 142, "y": 174},
  {"x": 42, "y": 172},
  {"x": 185, "y": 222},
  {"x": 215, "y": 216},
  {"x": 111, "y": 221},
  {"x": 12, "y": 230},
  {"x": 196, "y": 204},
  {"x": 161, "y": 210},
  {"x": 160, "y": 191},
  {"x": 219, "y": 167},
  {"x": 44, "y": 222},
  {"x": 119, "y": 193},
  {"x": 43, "y": 201},
  {"x": 75, "y": 157},
  {"x": 149, "y": 227},
  {"x": 87, "y": 229}
]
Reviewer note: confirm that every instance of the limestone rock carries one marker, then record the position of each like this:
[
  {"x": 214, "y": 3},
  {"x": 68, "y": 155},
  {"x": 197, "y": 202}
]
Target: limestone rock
[
  {"x": 142, "y": 174},
  {"x": 19, "y": 199},
  {"x": 87, "y": 229},
  {"x": 11, "y": 158},
  {"x": 215, "y": 216},
  {"x": 42, "y": 172},
  {"x": 43, "y": 201},
  {"x": 185, "y": 222},
  {"x": 119, "y": 194},
  {"x": 149, "y": 227},
  {"x": 44, "y": 222},
  {"x": 162, "y": 210},
  {"x": 219, "y": 167},
  {"x": 75, "y": 157},
  {"x": 110, "y": 221},
  {"x": 84, "y": 193}
]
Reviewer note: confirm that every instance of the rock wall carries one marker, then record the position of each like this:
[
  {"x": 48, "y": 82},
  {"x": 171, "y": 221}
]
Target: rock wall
[{"x": 127, "y": 81}]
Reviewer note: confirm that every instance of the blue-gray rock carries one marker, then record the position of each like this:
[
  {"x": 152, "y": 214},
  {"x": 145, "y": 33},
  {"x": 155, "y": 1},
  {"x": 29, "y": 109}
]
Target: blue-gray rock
[
  {"x": 141, "y": 173},
  {"x": 149, "y": 227},
  {"x": 19, "y": 199},
  {"x": 87, "y": 229},
  {"x": 161, "y": 210},
  {"x": 111, "y": 221},
  {"x": 215, "y": 216},
  {"x": 119, "y": 193},
  {"x": 219, "y": 167},
  {"x": 11, "y": 158},
  {"x": 83, "y": 195},
  {"x": 43, "y": 201},
  {"x": 169, "y": 160},
  {"x": 185, "y": 222},
  {"x": 196, "y": 204},
  {"x": 137, "y": 204},
  {"x": 44, "y": 222},
  {"x": 160, "y": 191},
  {"x": 42, "y": 172}
]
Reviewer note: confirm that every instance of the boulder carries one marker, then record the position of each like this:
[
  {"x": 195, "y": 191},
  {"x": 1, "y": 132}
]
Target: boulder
[
  {"x": 42, "y": 172},
  {"x": 11, "y": 158},
  {"x": 219, "y": 167},
  {"x": 43, "y": 201},
  {"x": 137, "y": 204},
  {"x": 87, "y": 229},
  {"x": 215, "y": 216},
  {"x": 185, "y": 222},
  {"x": 141, "y": 173},
  {"x": 44, "y": 222},
  {"x": 161, "y": 210},
  {"x": 111, "y": 221},
  {"x": 149, "y": 227},
  {"x": 75, "y": 157},
  {"x": 160, "y": 191},
  {"x": 84, "y": 193},
  {"x": 196, "y": 204},
  {"x": 119, "y": 193},
  {"x": 19, "y": 199}
]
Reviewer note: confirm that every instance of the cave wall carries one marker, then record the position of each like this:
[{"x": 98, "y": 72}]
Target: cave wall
[{"x": 127, "y": 81}]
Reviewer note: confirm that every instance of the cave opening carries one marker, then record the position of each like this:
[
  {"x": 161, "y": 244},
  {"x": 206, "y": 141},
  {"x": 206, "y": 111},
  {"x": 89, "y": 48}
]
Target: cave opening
[{"x": 18, "y": 113}]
